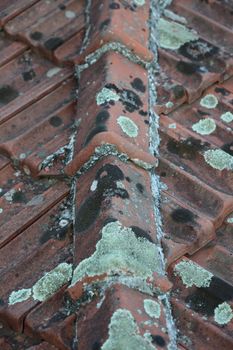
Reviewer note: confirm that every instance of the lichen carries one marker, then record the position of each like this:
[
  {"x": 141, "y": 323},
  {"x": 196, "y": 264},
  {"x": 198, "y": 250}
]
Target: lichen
[
  {"x": 128, "y": 126},
  {"x": 124, "y": 333},
  {"x": 173, "y": 16},
  {"x": 173, "y": 35},
  {"x": 19, "y": 296},
  {"x": 223, "y": 313},
  {"x": 169, "y": 104},
  {"x": 106, "y": 95},
  {"x": 53, "y": 71},
  {"x": 227, "y": 117},
  {"x": 119, "y": 251},
  {"x": 139, "y": 2},
  {"x": 52, "y": 281},
  {"x": 204, "y": 126},
  {"x": 142, "y": 164},
  {"x": 152, "y": 308},
  {"x": 230, "y": 220},
  {"x": 219, "y": 159},
  {"x": 192, "y": 274},
  {"x": 209, "y": 101}
]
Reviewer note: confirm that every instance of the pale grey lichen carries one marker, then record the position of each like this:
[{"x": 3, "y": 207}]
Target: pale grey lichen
[
  {"x": 152, "y": 308},
  {"x": 119, "y": 251},
  {"x": 192, "y": 274},
  {"x": 169, "y": 104},
  {"x": 219, "y": 159},
  {"x": 227, "y": 117},
  {"x": 142, "y": 164},
  {"x": 53, "y": 71},
  {"x": 173, "y": 35},
  {"x": 70, "y": 14},
  {"x": 173, "y": 16},
  {"x": 52, "y": 281},
  {"x": 139, "y": 2},
  {"x": 204, "y": 126},
  {"x": 106, "y": 95},
  {"x": 128, "y": 126},
  {"x": 223, "y": 313},
  {"x": 230, "y": 220},
  {"x": 209, "y": 101},
  {"x": 19, "y": 296},
  {"x": 124, "y": 333}
]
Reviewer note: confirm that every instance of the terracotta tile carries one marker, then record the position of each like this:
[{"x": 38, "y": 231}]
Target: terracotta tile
[
  {"x": 9, "y": 49},
  {"x": 24, "y": 80},
  {"x": 68, "y": 51},
  {"x": 10, "y": 340},
  {"x": 43, "y": 346},
  {"x": 47, "y": 25},
  {"x": 10, "y": 9}
]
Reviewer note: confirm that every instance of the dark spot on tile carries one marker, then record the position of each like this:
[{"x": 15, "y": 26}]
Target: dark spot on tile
[
  {"x": 187, "y": 149},
  {"x": 178, "y": 91},
  {"x": 88, "y": 212},
  {"x": 98, "y": 129},
  {"x": 221, "y": 289},
  {"x": 29, "y": 75},
  {"x": 202, "y": 112},
  {"x": 112, "y": 171},
  {"x": 62, "y": 7},
  {"x": 146, "y": 122},
  {"x": 114, "y": 6},
  {"x": 222, "y": 91},
  {"x": 19, "y": 197},
  {"x": 128, "y": 179},
  {"x": 55, "y": 121},
  {"x": 198, "y": 50},
  {"x": 36, "y": 36},
  {"x": 96, "y": 346},
  {"x": 163, "y": 174},
  {"x": 104, "y": 24},
  {"x": 108, "y": 221},
  {"x": 1, "y": 302},
  {"x": 102, "y": 117},
  {"x": 53, "y": 43},
  {"x": 203, "y": 302},
  {"x": 7, "y": 94},
  {"x": 228, "y": 147},
  {"x": 182, "y": 215},
  {"x": 59, "y": 233},
  {"x": 139, "y": 232},
  {"x": 140, "y": 187},
  {"x": 143, "y": 113},
  {"x": 158, "y": 340},
  {"x": 138, "y": 85},
  {"x": 186, "y": 67},
  {"x": 130, "y": 100}
]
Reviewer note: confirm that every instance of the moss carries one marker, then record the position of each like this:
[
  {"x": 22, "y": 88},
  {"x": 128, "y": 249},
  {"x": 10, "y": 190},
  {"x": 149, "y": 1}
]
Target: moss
[
  {"x": 152, "y": 308},
  {"x": 119, "y": 251},
  {"x": 223, "y": 314},
  {"x": 204, "y": 126},
  {"x": 106, "y": 95},
  {"x": 124, "y": 333},
  {"x": 209, "y": 101},
  {"x": 19, "y": 296},
  {"x": 52, "y": 281},
  {"x": 219, "y": 159},
  {"x": 192, "y": 274},
  {"x": 128, "y": 126},
  {"x": 173, "y": 35},
  {"x": 227, "y": 117}
]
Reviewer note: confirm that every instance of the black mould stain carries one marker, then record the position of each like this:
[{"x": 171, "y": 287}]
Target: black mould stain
[
  {"x": 221, "y": 289},
  {"x": 178, "y": 91},
  {"x": 29, "y": 75},
  {"x": 98, "y": 129},
  {"x": 59, "y": 233},
  {"x": 186, "y": 67},
  {"x": 55, "y": 121},
  {"x": 187, "y": 149},
  {"x": 198, "y": 50},
  {"x": 19, "y": 197},
  {"x": 130, "y": 100},
  {"x": 88, "y": 212},
  {"x": 114, "y": 6},
  {"x": 104, "y": 24},
  {"x": 146, "y": 122},
  {"x": 62, "y": 7},
  {"x": 203, "y": 302},
  {"x": 96, "y": 346},
  {"x": 222, "y": 91},
  {"x": 102, "y": 117},
  {"x": 53, "y": 43},
  {"x": 112, "y": 171},
  {"x": 199, "y": 111},
  {"x": 140, "y": 187},
  {"x": 108, "y": 221},
  {"x": 36, "y": 36},
  {"x": 128, "y": 179},
  {"x": 143, "y": 113},
  {"x": 138, "y": 85},
  {"x": 182, "y": 215},
  {"x": 228, "y": 147},
  {"x": 7, "y": 94},
  {"x": 158, "y": 340},
  {"x": 139, "y": 232}
]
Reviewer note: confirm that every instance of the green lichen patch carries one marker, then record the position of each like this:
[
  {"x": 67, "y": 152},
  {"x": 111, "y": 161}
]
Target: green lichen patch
[
  {"x": 230, "y": 220},
  {"x": 192, "y": 274},
  {"x": 219, "y": 159},
  {"x": 119, "y": 251},
  {"x": 19, "y": 296},
  {"x": 173, "y": 35},
  {"x": 52, "y": 281},
  {"x": 106, "y": 95},
  {"x": 227, "y": 117},
  {"x": 223, "y": 313},
  {"x": 152, "y": 308},
  {"x": 124, "y": 333},
  {"x": 139, "y": 2},
  {"x": 204, "y": 126},
  {"x": 128, "y": 126},
  {"x": 209, "y": 101}
]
